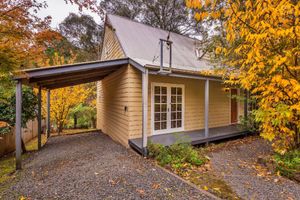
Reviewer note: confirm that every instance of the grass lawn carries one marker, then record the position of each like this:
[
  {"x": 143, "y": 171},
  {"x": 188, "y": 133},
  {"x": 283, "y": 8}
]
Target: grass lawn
[
  {"x": 8, "y": 162},
  {"x": 32, "y": 145},
  {"x": 7, "y": 171}
]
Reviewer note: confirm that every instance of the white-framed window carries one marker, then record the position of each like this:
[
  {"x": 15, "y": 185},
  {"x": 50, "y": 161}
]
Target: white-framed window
[{"x": 167, "y": 103}]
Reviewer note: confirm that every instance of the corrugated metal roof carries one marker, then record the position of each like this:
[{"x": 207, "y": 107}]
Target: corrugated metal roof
[
  {"x": 140, "y": 42},
  {"x": 75, "y": 74}
]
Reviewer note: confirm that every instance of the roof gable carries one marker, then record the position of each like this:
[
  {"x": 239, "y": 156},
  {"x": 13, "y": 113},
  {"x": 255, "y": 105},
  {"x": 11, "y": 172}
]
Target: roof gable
[{"x": 141, "y": 43}]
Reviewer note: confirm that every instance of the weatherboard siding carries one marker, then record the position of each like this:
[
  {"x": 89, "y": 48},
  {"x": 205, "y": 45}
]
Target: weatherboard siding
[
  {"x": 113, "y": 117},
  {"x": 111, "y": 46},
  {"x": 219, "y": 104},
  {"x": 112, "y": 93}
]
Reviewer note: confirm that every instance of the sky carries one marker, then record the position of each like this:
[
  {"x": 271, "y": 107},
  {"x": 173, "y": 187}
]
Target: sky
[{"x": 59, "y": 10}]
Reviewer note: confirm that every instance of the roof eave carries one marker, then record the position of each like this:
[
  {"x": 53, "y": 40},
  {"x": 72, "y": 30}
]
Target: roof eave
[{"x": 189, "y": 73}]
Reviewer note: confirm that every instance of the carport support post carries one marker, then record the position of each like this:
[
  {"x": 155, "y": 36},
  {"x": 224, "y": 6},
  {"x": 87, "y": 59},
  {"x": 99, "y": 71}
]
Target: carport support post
[
  {"x": 40, "y": 118},
  {"x": 18, "y": 125},
  {"x": 145, "y": 109},
  {"x": 206, "y": 108},
  {"x": 48, "y": 114}
]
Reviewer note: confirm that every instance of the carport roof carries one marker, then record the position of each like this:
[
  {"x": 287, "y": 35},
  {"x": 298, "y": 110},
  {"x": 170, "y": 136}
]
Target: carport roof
[{"x": 68, "y": 75}]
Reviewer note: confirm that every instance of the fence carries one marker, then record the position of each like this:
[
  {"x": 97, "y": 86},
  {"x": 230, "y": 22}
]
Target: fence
[{"x": 7, "y": 141}]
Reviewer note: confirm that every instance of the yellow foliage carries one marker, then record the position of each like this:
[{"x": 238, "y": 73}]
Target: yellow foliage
[
  {"x": 262, "y": 55},
  {"x": 63, "y": 99}
]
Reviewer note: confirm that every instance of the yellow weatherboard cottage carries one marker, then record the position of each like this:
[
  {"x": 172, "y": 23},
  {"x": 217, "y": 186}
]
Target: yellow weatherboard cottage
[{"x": 165, "y": 99}]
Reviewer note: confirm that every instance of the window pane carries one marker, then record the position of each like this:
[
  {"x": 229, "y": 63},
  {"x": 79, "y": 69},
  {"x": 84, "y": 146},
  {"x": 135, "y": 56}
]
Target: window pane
[
  {"x": 179, "y": 91},
  {"x": 179, "y": 107},
  {"x": 157, "y": 99},
  {"x": 173, "y": 99},
  {"x": 164, "y": 116},
  {"x": 173, "y": 124},
  {"x": 173, "y": 115},
  {"x": 163, "y": 90},
  {"x": 173, "y": 91},
  {"x": 157, "y": 116},
  {"x": 179, "y": 99},
  {"x": 179, "y": 115},
  {"x": 179, "y": 123},
  {"x": 157, "y": 125},
  {"x": 163, "y": 125},
  {"x": 156, "y": 90},
  {"x": 164, "y": 99},
  {"x": 173, "y": 107},
  {"x": 157, "y": 108},
  {"x": 164, "y": 108}
]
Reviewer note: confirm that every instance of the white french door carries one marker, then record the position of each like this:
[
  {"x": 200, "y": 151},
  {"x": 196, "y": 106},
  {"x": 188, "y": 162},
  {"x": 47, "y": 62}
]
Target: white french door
[{"x": 167, "y": 108}]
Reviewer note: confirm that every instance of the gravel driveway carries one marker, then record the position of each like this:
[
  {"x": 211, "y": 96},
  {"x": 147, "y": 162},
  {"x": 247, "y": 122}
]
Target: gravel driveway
[
  {"x": 92, "y": 166},
  {"x": 239, "y": 168}
]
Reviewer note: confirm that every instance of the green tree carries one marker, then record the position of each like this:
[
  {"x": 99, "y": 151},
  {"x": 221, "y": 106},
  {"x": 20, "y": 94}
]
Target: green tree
[
  {"x": 84, "y": 116},
  {"x": 8, "y": 106},
  {"x": 170, "y": 15},
  {"x": 8, "y": 109},
  {"x": 84, "y": 34}
]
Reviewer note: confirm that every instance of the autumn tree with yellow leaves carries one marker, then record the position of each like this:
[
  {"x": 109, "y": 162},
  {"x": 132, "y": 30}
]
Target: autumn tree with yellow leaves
[
  {"x": 261, "y": 53},
  {"x": 64, "y": 99}
]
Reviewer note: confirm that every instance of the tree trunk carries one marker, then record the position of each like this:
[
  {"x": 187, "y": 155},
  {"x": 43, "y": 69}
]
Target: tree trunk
[
  {"x": 93, "y": 122},
  {"x": 75, "y": 121},
  {"x": 60, "y": 128},
  {"x": 23, "y": 146}
]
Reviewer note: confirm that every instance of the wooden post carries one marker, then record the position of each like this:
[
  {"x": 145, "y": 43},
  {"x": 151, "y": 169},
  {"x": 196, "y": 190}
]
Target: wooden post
[
  {"x": 18, "y": 125},
  {"x": 206, "y": 117},
  {"x": 145, "y": 109},
  {"x": 48, "y": 114},
  {"x": 40, "y": 118}
]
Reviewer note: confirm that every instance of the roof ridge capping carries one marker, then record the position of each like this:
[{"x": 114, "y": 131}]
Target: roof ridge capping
[{"x": 141, "y": 23}]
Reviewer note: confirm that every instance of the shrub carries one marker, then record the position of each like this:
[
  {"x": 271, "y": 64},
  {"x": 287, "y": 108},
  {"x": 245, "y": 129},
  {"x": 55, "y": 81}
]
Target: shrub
[
  {"x": 249, "y": 123},
  {"x": 289, "y": 164},
  {"x": 8, "y": 107},
  {"x": 177, "y": 156}
]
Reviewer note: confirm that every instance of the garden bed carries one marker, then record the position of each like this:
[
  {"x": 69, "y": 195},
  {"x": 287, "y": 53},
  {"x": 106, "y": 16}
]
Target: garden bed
[
  {"x": 193, "y": 165},
  {"x": 243, "y": 168}
]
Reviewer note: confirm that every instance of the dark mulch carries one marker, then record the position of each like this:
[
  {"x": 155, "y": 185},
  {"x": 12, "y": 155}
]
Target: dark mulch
[
  {"x": 92, "y": 166},
  {"x": 238, "y": 163}
]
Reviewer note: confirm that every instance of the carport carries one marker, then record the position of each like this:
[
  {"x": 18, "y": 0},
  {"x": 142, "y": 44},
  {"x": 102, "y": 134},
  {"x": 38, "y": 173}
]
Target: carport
[{"x": 49, "y": 78}]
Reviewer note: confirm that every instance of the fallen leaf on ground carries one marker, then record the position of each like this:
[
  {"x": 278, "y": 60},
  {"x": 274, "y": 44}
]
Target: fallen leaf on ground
[
  {"x": 278, "y": 173},
  {"x": 112, "y": 182},
  {"x": 155, "y": 186},
  {"x": 141, "y": 192}
]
